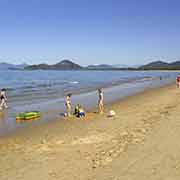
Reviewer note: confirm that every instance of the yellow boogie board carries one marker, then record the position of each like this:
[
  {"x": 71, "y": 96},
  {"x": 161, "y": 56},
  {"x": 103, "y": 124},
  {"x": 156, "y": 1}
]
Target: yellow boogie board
[{"x": 28, "y": 115}]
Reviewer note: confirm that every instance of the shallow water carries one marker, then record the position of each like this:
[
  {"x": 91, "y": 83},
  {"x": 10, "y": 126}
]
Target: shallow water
[{"x": 45, "y": 90}]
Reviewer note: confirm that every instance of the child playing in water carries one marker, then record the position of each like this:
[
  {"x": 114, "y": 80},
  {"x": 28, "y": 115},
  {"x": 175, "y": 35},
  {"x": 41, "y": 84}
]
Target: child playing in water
[
  {"x": 68, "y": 104},
  {"x": 100, "y": 101},
  {"x": 76, "y": 110},
  {"x": 3, "y": 99},
  {"x": 79, "y": 111}
]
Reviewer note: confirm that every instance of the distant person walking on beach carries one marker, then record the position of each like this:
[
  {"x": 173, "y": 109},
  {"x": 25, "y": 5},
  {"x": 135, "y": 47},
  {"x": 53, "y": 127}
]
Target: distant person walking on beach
[
  {"x": 100, "y": 101},
  {"x": 178, "y": 81},
  {"x": 3, "y": 99},
  {"x": 68, "y": 104}
]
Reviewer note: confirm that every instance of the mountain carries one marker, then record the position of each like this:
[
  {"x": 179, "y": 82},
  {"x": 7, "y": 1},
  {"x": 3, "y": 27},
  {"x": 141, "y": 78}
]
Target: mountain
[
  {"x": 175, "y": 65},
  {"x": 63, "y": 65},
  {"x": 69, "y": 65},
  {"x": 156, "y": 65},
  {"x": 6, "y": 66},
  {"x": 39, "y": 66},
  {"x": 160, "y": 65},
  {"x": 66, "y": 64}
]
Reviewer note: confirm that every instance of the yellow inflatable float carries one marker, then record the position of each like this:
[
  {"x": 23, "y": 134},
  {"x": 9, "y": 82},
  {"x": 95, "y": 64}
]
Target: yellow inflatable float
[{"x": 28, "y": 115}]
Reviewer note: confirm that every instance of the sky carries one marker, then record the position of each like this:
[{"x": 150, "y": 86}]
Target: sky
[{"x": 89, "y": 31}]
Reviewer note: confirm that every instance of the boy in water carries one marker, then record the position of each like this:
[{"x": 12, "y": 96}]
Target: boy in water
[
  {"x": 68, "y": 104},
  {"x": 79, "y": 111},
  {"x": 100, "y": 101},
  {"x": 3, "y": 99}
]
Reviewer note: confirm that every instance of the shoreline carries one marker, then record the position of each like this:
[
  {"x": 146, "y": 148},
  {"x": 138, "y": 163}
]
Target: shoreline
[
  {"x": 93, "y": 109},
  {"x": 52, "y": 109},
  {"x": 97, "y": 146},
  {"x": 53, "y": 104}
]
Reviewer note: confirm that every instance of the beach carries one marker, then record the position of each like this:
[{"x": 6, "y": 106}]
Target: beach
[{"x": 140, "y": 142}]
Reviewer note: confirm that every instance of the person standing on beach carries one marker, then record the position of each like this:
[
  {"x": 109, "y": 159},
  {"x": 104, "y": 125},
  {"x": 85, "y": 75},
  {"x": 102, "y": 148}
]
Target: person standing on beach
[
  {"x": 178, "y": 81},
  {"x": 3, "y": 99},
  {"x": 68, "y": 104},
  {"x": 100, "y": 101}
]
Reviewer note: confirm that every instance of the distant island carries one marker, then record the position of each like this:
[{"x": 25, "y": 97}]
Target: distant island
[
  {"x": 70, "y": 65},
  {"x": 63, "y": 65},
  {"x": 160, "y": 65}
]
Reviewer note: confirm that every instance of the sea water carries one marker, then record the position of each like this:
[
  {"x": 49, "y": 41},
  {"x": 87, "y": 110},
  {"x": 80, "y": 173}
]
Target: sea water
[{"x": 45, "y": 90}]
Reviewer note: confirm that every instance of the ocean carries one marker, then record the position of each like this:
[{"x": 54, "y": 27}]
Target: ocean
[{"x": 45, "y": 90}]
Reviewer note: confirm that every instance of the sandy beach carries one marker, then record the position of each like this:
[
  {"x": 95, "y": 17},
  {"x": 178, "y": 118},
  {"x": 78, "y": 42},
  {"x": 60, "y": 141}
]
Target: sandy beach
[{"x": 140, "y": 142}]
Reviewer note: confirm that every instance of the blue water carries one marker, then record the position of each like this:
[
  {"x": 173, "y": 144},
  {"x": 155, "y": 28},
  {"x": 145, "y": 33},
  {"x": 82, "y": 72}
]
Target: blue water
[
  {"x": 46, "y": 83},
  {"x": 45, "y": 90}
]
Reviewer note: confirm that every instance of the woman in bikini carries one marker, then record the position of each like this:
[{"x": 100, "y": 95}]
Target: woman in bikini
[
  {"x": 68, "y": 104},
  {"x": 100, "y": 101},
  {"x": 3, "y": 99}
]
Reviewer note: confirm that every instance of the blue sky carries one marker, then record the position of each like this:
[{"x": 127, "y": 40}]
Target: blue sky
[{"x": 89, "y": 31}]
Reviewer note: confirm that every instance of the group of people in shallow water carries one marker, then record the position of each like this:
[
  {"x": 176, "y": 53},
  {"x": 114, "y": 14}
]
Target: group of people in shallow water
[{"x": 79, "y": 111}]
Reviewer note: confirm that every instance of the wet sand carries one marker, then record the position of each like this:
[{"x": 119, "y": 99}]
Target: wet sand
[{"x": 140, "y": 142}]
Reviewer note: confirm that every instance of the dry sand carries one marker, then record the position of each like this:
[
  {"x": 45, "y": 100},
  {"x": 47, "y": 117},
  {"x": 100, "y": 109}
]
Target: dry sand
[{"x": 141, "y": 142}]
